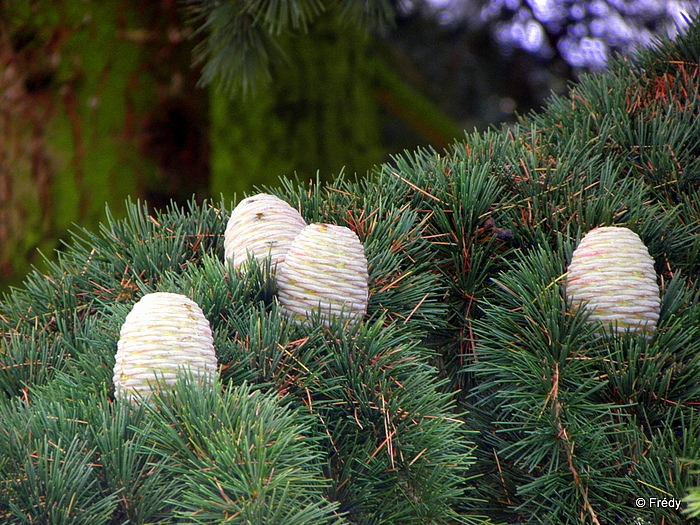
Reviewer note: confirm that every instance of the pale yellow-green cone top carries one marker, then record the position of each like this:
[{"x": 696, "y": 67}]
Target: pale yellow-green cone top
[
  {"x": 611, "y": 270},
  {"x": 164, "y": 335},
  {"x": 325, "y": 266},
  {"x": 261, "y": 225}
]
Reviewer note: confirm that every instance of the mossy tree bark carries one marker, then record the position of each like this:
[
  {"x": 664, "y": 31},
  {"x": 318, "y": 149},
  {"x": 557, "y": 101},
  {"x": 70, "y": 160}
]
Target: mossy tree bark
[{"x": 89, "y": 90}]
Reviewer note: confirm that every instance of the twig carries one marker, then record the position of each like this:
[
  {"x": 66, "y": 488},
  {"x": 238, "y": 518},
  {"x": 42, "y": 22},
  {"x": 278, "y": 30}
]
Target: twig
[{"x": 568, "y": 445}]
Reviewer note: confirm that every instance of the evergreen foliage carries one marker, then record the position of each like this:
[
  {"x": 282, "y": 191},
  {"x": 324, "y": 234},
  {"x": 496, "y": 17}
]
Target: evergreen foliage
[
  {"x": 241, "y": 42},
  {"x": 471, "y": 393},
  {"x": 357, "y": 428}
]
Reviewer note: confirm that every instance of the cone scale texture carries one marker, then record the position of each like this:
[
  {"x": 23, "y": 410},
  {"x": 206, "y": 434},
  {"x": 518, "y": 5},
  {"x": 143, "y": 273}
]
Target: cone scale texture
[
  {"x": 261, "y": 225},
  {"x": 612, "y": 272},
  {"x": 164, "y": 334},
  {"x": 325, "y": 267}
]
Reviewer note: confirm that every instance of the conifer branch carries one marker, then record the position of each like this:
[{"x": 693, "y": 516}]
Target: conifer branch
[
  {"x": 564, "y": 438},
  {"x": 330, "y": 424},
  {"x": 242, "y": 40}
]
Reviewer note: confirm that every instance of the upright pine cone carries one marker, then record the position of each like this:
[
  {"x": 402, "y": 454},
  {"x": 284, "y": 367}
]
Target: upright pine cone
[
  {"x": 612, "y": 272},
  {"x": 325, "y": 267},
  {"x": 261, "y": 225},
  {"x": 163, "y": 334}
]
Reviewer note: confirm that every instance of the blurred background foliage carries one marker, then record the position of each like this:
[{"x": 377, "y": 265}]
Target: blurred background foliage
[{"x": 100, "y": 100}]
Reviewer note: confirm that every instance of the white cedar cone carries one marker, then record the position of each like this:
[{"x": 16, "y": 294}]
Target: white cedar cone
[
  {"x": 164, "y": 334},
  {"x": 261, "y": 225},
  {"x": 611, "y": 270},
  {"x": 325, "y": 266}
]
